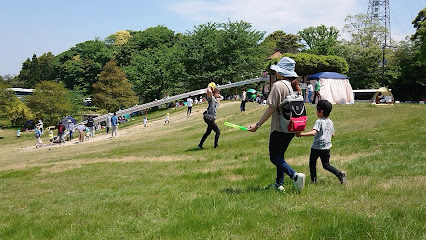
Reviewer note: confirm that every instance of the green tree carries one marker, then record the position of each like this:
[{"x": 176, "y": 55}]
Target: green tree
[
  {"x": 6, "y": 98},
  {"x": 79, "y": 66},
  {"x": 18, "y": 113},
  {"x": 150, "y": 38},
  {"x": 221, "y": 52},
  {"x": 364, "y": 31},
  {"x": 45, "y": 62},
  {"x": 155, "y": 72},
  {"x": 420, "y": 36},
  {"x": 50, "y": 101},
  {"x": 13, "y": 81},
  {"x": 36, "y": 70},
  {"x": 320, "y": 40},
  {"x": 30, "y": 73},
  {"x": 76, "y": 100},
  {"x": 308, "y": 64},
  {"x": 282, "y": 42},
  {"x": 411, "y": 61},
  {"x": 363, "y": 51},
  {"x": 113, "y": 90}
]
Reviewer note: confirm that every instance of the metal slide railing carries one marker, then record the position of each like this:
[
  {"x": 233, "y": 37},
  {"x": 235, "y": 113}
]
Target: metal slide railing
[{"x": 171, "y": 99}]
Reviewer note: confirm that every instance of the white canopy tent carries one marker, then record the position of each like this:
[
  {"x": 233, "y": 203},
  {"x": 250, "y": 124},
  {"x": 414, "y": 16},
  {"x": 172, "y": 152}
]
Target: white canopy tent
[{"x": 334, "y": 87}]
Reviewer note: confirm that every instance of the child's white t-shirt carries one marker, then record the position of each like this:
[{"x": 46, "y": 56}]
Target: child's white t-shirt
[{"x": 325, "y": 130}]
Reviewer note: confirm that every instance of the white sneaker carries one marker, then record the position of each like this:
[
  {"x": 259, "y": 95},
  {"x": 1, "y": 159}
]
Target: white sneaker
[
  {"x": 299, "y": 182},
  {"x": 279, "y": 187}
]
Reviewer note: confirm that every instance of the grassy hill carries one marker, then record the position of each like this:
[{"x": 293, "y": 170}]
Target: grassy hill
[{"x": 154, "y": 183}]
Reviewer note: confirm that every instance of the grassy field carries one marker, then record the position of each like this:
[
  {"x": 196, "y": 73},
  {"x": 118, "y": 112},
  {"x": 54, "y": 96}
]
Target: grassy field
[{"x": 154, "y": 183}]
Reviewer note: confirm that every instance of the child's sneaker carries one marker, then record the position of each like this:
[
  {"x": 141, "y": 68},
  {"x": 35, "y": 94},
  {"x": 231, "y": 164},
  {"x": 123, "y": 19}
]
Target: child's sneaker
[
  {"x": 342, "y": 177},
  {"x": 299, "y": 181},
  {"x": 279, "y": 187}
]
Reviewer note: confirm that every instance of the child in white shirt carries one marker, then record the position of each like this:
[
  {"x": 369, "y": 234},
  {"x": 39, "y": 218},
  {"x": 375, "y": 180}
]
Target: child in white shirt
[
  {"x": 323, "y": 131},
  {"x": 166, "y": 121}
]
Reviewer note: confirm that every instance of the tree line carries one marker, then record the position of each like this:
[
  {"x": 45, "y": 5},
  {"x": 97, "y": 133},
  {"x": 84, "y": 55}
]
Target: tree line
[{"x": 129, "y": 66}]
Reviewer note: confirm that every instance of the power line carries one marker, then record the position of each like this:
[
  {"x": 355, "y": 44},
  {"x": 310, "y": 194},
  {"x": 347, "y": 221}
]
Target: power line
[
  {"x": 420, "y": 5},
  {"x": 396, "y": 20},
  {"x": 406, "y": 5}
]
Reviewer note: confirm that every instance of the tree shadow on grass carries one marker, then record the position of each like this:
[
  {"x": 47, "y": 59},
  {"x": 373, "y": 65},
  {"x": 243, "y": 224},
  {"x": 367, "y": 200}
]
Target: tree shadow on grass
[
  {"x": 194, "y": 149},
  {"x": 1, "y": 137},
  {"x": 248, "y": 189},
  {"x": 251, "y": 189}
]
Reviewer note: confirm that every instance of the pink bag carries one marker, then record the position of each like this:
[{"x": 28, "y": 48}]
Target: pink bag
[{"x": 297, "y": 124}]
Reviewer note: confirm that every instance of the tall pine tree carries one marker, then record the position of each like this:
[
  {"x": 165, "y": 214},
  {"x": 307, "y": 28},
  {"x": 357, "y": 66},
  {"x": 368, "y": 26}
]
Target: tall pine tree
[{"x": 113, "y": 91}]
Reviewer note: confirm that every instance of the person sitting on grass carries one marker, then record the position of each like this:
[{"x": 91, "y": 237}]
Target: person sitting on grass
[
  {"x": 380, "y": 98},
  {"x": 323, "y": 131}
]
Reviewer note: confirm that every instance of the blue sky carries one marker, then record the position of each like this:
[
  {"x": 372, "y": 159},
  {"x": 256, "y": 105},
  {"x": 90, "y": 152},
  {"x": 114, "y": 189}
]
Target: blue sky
[{"x": 29, "y": 26}]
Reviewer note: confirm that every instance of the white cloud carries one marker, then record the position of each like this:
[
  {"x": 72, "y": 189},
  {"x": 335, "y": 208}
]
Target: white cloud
[{"x": 289, "y": 16}]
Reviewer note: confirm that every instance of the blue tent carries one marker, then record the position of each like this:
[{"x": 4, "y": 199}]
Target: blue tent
[{"x": 328, "y": 75}]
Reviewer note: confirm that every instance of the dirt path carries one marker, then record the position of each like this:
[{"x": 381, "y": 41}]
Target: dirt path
[
  {"x": 56, "y": 158},
  {"x": 155, "y": 125}
]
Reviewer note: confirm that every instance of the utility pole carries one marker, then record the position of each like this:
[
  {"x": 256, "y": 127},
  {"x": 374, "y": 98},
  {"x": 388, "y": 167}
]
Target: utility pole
[{"x": 379, "y": 11}]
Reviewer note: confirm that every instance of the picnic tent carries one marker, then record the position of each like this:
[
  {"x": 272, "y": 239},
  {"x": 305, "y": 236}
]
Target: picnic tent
[
  {"x": 334, "y": 87},
  {"x": 251, "y": 94},
  {"x": 30, "y": 124},
  {"x": 385, "y": 92}
]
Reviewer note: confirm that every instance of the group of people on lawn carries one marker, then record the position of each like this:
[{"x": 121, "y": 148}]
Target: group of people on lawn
[{"x": 85, "y": 131}]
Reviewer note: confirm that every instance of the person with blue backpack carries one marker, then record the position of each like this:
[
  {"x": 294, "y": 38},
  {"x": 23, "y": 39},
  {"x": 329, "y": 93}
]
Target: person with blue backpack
[
  {"x": 37, "y": 134},
  {"x": 279, "y": 138}
]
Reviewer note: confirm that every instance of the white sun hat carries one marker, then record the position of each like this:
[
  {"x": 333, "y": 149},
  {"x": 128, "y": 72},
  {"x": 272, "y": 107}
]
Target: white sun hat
[{"x": 285, "y": 67}]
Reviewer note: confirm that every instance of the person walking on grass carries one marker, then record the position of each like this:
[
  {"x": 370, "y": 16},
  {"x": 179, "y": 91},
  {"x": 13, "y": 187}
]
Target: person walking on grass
[
  {"x": 81, "y": 129},
  {"x": 108, "y": 123},
  {"x": 167, "y": 120},
  {"x": 91, "y": 124},
  {"x": 243, "y": 101},
  {"x": 323, "y": 131},
  {"x": 145, "y": 120},
  {"x": 209, "y": 116},
  {"x": 71, "y": 129},
  {"x": 114, "y": 125},
  {"x": 317, "y": 95},
  {"x": 310, "y": 89},
  {"x": 278, "y": 139},
  {"x": 40, "y": 124},
  {"x": 50, "y": 136},
  {"x": 39, "y": 142},
  {"x": 61, "y": 131},
  {"x": 189, "y": 103}
]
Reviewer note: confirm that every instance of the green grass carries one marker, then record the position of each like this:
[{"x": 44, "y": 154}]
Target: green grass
[{"x": 158, "y": 185}]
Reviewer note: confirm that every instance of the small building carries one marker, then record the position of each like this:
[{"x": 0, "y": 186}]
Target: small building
[{"x": 22, "y": 92}]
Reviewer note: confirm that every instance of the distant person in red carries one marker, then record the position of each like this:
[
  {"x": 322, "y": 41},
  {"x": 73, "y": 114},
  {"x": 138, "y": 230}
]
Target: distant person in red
[{"x": 61, "y": 131}]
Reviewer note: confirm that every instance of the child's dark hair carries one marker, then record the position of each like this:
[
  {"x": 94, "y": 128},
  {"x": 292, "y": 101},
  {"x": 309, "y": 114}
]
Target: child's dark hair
[{"x": 325, "y": 106}]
